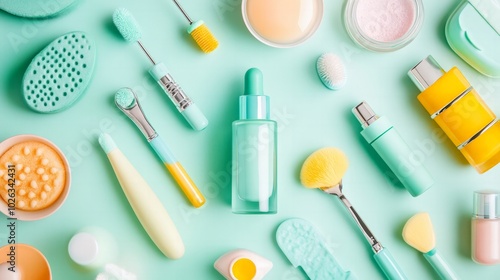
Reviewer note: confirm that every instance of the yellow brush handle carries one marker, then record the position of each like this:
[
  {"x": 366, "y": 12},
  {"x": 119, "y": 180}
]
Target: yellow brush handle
[
  {"x": 147, "y": 207},
  {"x": 187, "y": 185},
  {"x": 180, "y": 175}
]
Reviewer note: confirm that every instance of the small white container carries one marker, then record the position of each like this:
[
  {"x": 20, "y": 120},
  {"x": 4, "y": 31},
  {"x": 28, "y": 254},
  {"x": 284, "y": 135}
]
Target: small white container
[{"x": 92, "y": 248}]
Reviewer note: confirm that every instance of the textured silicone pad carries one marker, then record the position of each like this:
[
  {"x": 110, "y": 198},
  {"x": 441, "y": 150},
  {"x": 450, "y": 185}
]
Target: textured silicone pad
[
  {"x": 304, "y": 247},
  {"x": 36, "y": 8},
  {"x": 59, "y": 74}
]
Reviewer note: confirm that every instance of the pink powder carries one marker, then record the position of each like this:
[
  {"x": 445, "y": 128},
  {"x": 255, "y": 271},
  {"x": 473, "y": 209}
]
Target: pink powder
[{"x": 385, "y": 20}]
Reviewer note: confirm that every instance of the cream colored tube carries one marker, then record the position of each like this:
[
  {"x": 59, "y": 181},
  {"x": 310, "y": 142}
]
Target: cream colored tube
[{"x": 146, "y": 205}]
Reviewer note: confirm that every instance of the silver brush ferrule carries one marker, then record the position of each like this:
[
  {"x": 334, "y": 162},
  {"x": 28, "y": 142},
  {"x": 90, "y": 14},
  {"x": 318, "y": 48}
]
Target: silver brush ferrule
[
  {"x": 136, "y": 114},
  {"x": 426, "y": 73},
  {"x": 364, "y": 114}
]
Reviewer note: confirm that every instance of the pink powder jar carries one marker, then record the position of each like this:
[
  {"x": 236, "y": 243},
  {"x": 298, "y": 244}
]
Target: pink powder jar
[{"x": 383, "y": 25}]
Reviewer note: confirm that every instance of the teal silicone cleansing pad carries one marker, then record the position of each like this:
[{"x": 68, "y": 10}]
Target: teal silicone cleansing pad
[
  {"x": 36, "y": 8},
  {"x": 305, "y": 247},
  {"x": 58, "y": 76}
]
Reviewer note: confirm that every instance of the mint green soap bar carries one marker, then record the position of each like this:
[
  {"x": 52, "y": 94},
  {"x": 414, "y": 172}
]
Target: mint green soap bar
[
  {"x": 58, "y": 76},
  {"x": 473, "y": 32}
]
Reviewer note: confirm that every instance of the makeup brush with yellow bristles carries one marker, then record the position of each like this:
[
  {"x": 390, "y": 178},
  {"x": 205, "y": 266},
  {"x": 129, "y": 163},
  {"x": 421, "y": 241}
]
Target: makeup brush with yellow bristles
[
  {"x": 200, "y": 33},
  {"x": 419, "y": 234},
  {"x": 324, "y": 170}
]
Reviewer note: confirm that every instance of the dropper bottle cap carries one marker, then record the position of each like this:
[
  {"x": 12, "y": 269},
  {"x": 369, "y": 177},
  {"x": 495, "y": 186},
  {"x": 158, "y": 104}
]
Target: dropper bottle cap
[{"x": 254, "y": 104}]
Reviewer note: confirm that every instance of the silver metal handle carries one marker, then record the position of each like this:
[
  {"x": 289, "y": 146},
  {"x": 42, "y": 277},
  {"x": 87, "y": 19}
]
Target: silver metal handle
[
  {"x": 136, "y": 114},
  {"x": 376, "y": 246},
  {"x": 175, "y": 92},
  {"x": 183, "y": 12}
]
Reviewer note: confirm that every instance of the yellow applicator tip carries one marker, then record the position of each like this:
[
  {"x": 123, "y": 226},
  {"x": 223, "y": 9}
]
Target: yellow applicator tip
[
  {"x": 324, "y": 168},
  {"x": 419, "y": 233},
  {"x": 202, "y": 36}
]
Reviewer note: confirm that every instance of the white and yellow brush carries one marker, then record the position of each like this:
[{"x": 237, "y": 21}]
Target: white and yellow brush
[
  {"x": 419, "y": 234},
  {"x": 200, "y": 33}
]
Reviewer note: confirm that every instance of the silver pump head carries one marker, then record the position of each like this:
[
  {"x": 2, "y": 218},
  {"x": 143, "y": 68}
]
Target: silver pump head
[
  {"x": 426, "y": 73},
  {"x": 364, "y": 114},
  {"x": 486, "y": 205}
]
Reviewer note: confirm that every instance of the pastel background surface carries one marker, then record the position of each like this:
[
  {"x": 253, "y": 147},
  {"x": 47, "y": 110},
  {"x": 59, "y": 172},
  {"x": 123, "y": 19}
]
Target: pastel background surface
[{"x": 308, "y": 115}]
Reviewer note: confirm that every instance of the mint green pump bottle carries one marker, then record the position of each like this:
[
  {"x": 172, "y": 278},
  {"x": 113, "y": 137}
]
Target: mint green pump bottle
[
  {"x": 254, "y": 185},
  {"x": 384, "y": 138}
]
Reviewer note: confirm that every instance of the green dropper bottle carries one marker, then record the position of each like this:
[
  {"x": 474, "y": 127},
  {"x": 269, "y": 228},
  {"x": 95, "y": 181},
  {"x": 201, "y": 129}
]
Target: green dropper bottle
[{"x": 254, "y": 185}]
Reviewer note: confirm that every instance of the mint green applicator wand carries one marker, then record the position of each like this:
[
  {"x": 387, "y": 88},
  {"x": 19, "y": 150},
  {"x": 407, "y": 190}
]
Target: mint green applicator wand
[
  {"x": 384, "y": 138},
  {"x": 131, "y": 32}
]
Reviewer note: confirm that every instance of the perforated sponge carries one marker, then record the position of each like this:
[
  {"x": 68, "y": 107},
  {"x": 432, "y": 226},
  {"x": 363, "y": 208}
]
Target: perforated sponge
[
  {"x": 324, "y": 168},
  {"x": 58, "y": 76},
  {"x": 36, "y": 8}
]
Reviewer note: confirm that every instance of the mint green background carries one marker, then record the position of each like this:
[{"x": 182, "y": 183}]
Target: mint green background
[{"x": 309, "y": 117}]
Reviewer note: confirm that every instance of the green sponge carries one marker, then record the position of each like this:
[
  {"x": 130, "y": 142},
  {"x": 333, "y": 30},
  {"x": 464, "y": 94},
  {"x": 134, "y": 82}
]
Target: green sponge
[
  {"x": 127, "y": 25},
  {"x": 36, "y": 8},
  {"x": 60, "y": 73}
]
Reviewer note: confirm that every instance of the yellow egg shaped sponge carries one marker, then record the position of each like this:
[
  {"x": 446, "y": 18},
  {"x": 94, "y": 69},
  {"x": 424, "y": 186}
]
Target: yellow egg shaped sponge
[
  {"x": 419, "y": 234},
  {"x": 324, "y": 168}
]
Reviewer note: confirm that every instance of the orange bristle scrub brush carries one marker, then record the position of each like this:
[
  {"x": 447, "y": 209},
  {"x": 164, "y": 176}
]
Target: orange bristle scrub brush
[{"x": 200, "y": 33}]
